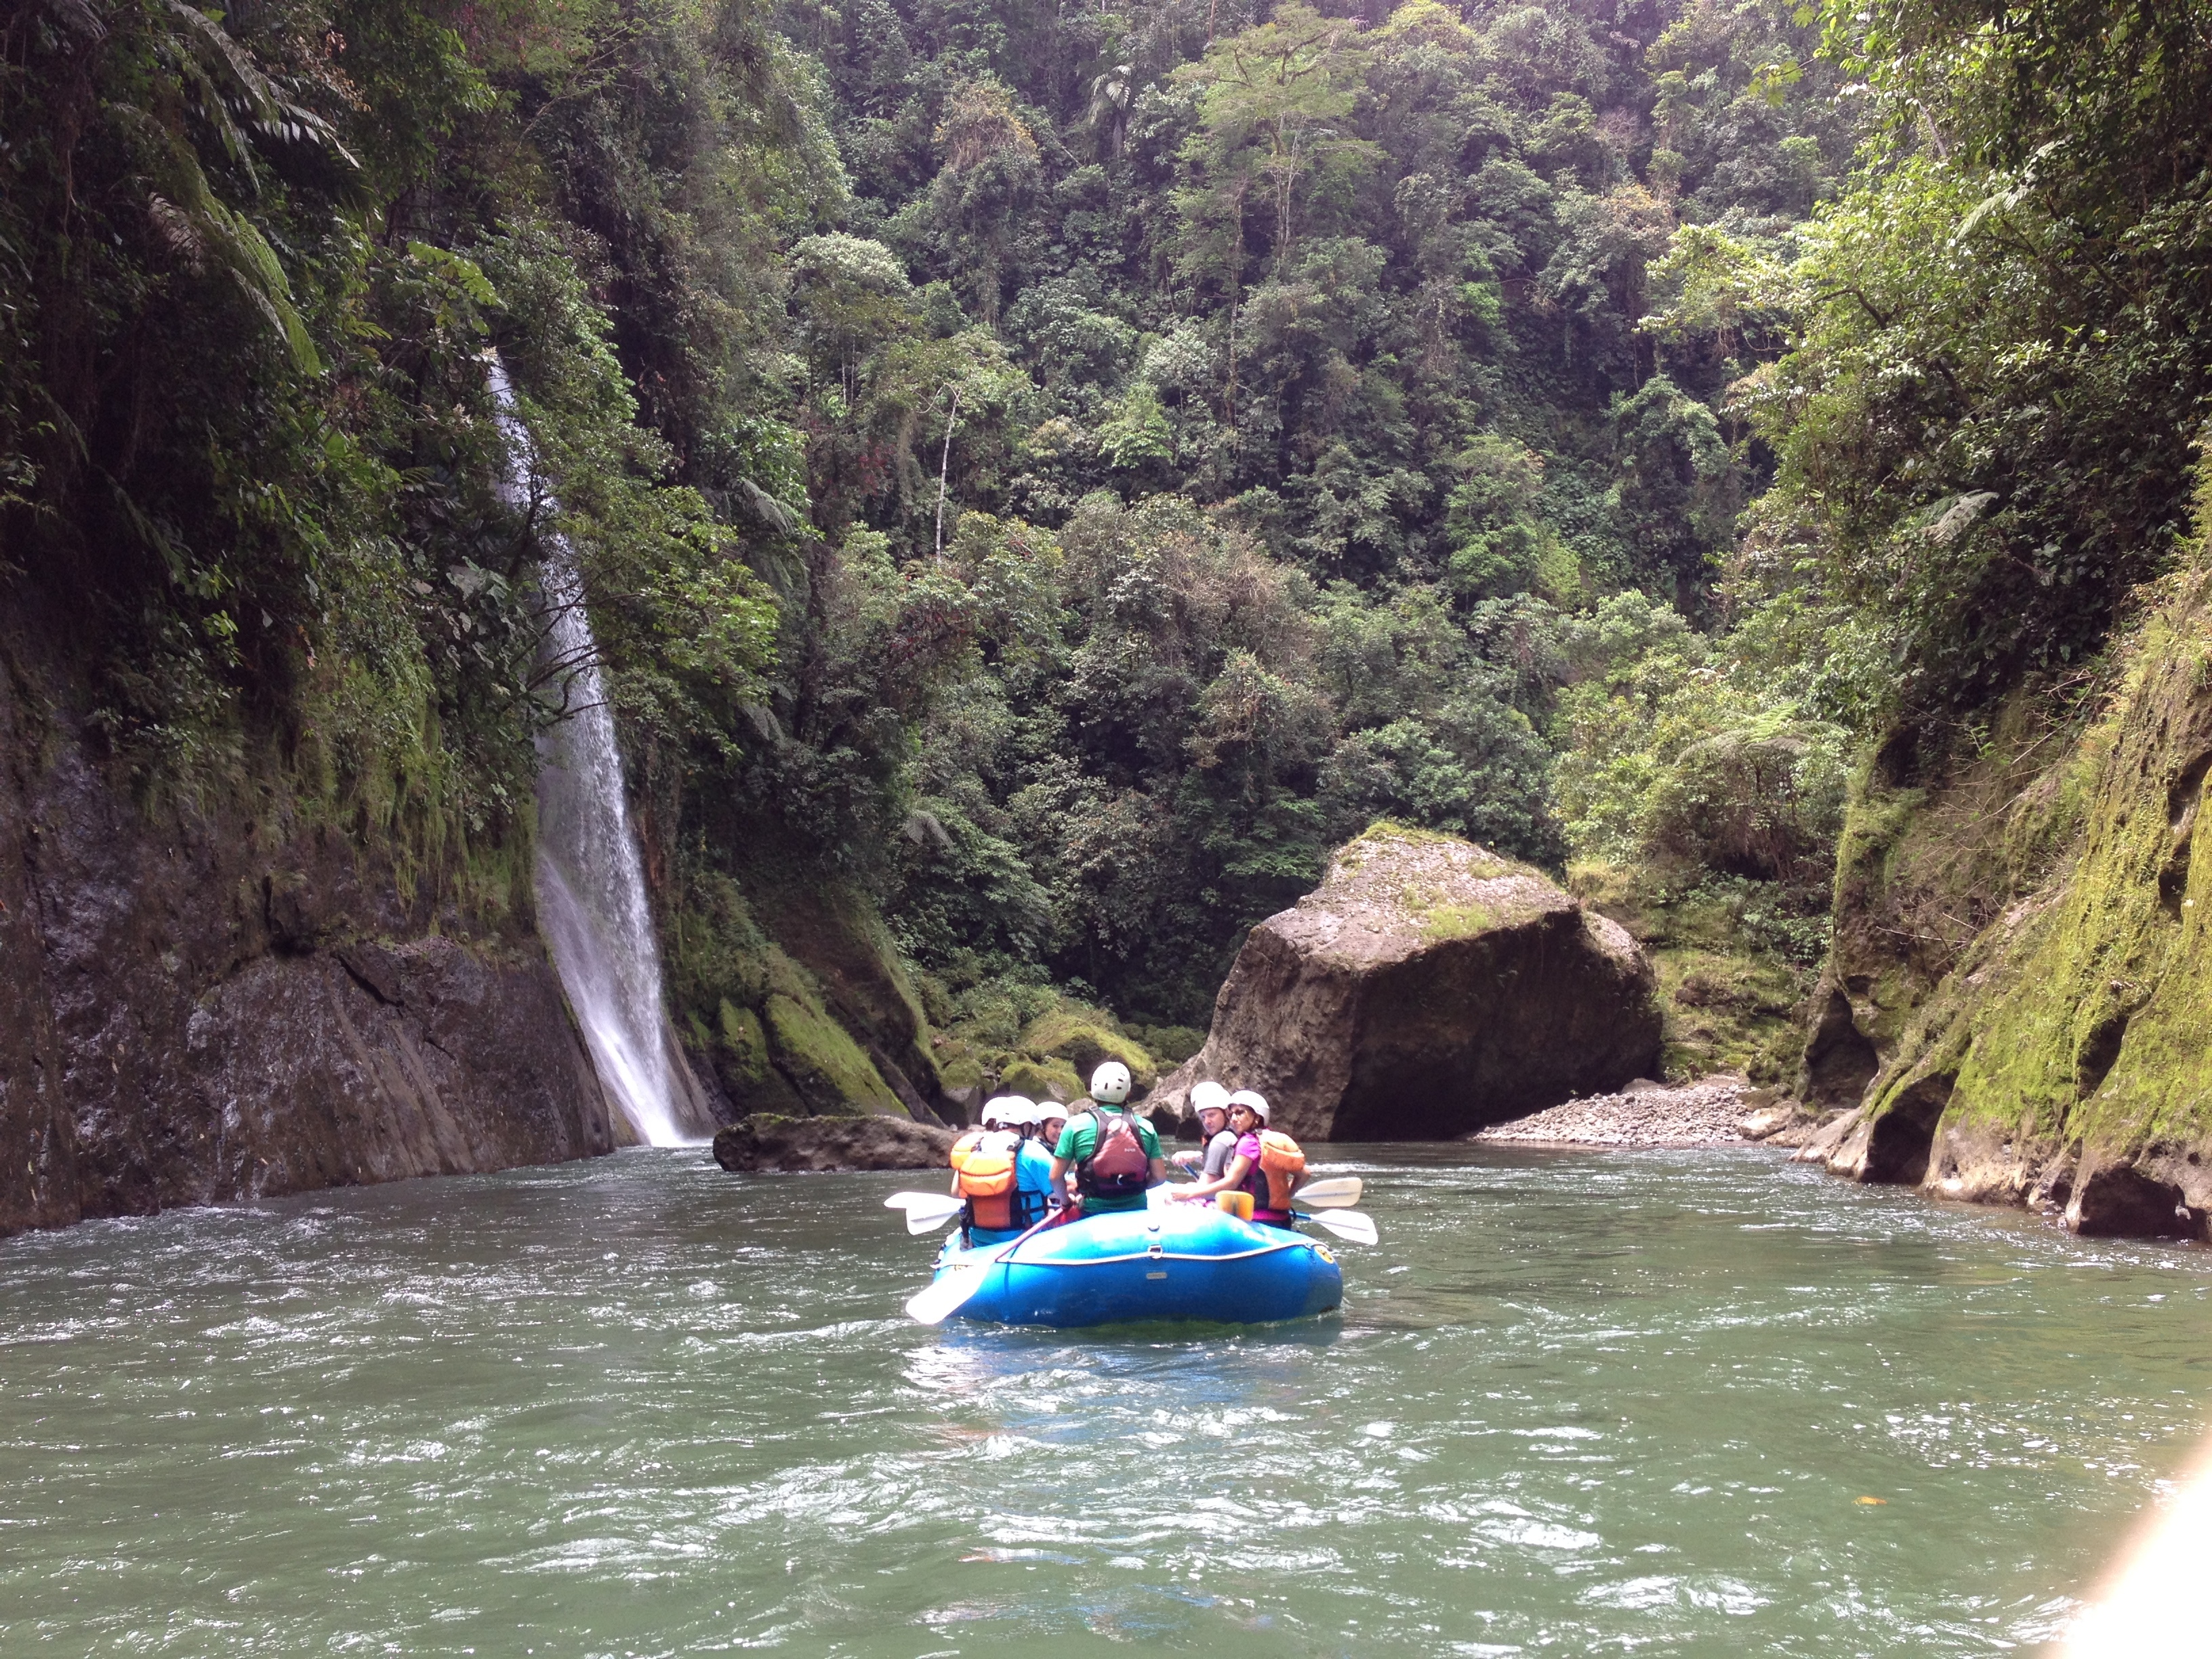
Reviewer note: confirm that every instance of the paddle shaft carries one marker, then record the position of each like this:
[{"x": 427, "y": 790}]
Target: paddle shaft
[{"x": 976, "y": 1274}]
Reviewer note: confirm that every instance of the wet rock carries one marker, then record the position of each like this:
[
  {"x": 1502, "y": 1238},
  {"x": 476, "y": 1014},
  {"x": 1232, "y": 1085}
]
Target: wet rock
[
  {"x": 1819, "y": 1146},
  {"x": 2118, "y": 1200},
  {"x": 1893, "y": 1143},
  {"x": 1838, "y": 1061},
  {"x": 1773, "y": 1118},
  {"x": 1428, "y": 987},
  {"x": 1796, "y": 1132},
  {"x": 791, "y": 1145},
  {"x": 207, "y": 1007},
  {"x": 1978, "y": 1164}
]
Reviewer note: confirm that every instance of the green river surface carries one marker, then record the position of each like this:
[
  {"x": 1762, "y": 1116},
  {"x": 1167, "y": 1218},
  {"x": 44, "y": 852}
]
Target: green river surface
[{"x": 1574, "y": 1404}]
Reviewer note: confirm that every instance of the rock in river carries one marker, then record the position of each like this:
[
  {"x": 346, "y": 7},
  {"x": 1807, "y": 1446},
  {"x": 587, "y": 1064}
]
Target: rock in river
[
  {"x": 1427, "y": 988},
  {"x": 856, "y": 1142}
]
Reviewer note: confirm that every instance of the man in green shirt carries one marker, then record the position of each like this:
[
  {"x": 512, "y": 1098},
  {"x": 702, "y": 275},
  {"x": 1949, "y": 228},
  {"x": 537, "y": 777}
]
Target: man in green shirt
[{"x": 1114, "y": 1153}]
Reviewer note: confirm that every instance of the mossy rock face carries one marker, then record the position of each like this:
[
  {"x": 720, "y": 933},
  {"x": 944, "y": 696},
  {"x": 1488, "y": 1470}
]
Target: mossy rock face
[
  {"x": 811, "y": 965},
  {"x": 1042, "y": 1080},
  {"x": 1084, "y": 1042},
  {"x": 838, "y": 938},
  {"x": 721, "y": 953},
  {"x": 2066, "y": 1040},
  {"x": 1170, "y": 1045},
  {"x": 1935, "y": 846},
  {"x": 1730, "y": 1010},
  {"x": 745, "y": 1066},
  {"x": 740, "y": 1047},
  {"x": 824, "y": 1065},
  {"x": 961, "y": 1071}
]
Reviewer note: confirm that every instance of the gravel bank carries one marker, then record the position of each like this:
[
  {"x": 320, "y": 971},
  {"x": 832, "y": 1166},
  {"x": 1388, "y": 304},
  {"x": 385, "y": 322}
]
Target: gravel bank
[{"x": 1706, "y": 1112}]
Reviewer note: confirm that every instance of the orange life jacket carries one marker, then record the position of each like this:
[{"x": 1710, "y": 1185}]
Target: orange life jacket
[
  {"x": 984, "y": 1161},
  {"x": 1275, "y": 1178}
]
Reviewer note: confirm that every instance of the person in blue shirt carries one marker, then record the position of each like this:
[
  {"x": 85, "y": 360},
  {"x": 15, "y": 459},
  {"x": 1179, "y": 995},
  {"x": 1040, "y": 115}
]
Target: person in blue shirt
[{"x": 1037, "y": 1194}]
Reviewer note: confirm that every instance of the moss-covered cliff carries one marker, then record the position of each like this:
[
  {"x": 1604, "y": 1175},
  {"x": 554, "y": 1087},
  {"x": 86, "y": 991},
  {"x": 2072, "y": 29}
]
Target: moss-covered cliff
[
  {"x": 2021, "y": 961},
  {"x": 270, "y": 987}
]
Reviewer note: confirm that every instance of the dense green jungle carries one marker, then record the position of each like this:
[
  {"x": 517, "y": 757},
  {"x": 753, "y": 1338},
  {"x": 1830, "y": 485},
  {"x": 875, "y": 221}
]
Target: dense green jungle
[{"x": 1044, "y": 475}]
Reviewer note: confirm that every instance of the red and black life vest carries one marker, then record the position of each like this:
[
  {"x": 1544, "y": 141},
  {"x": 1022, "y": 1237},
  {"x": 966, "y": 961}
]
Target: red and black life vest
[{"x": 1118, "y": 1164}]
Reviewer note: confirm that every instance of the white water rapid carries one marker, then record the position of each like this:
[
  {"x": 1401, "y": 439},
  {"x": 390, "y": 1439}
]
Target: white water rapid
[{"x": 591, "y": 878}]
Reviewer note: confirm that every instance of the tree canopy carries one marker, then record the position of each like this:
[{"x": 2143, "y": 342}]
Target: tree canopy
[{"x": 1058, "y": 471}]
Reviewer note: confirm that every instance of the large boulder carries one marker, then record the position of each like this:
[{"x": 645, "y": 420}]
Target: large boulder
[
  {"x": 1426, "y": 988},
  {"x": 854, "y": 1142}
]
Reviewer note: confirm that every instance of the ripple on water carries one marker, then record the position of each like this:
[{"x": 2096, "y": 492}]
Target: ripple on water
[{"x": 1574, "y": 1403}]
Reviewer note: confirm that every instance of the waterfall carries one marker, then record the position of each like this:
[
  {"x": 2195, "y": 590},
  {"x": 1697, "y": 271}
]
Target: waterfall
[{"x": 590, "y": 878}]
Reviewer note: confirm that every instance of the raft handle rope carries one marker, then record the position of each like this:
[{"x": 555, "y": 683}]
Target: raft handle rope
[{"x": 1292, "y": 1243}]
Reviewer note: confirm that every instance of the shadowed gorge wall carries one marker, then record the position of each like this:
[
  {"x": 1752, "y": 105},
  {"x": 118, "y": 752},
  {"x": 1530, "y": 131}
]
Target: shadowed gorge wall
[
  {"x": 2060, "y": 1061},
  {"x": 201, "y": 1007}
]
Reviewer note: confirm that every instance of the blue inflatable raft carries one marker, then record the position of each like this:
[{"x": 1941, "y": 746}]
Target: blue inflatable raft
[{"x": 1172, "y": 1261}]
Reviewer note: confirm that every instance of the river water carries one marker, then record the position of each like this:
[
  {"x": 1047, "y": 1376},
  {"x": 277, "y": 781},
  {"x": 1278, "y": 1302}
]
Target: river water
[{"x": 1574, "y": 1405}]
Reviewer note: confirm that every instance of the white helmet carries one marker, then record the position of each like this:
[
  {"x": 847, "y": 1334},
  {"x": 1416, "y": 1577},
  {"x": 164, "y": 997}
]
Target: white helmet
[
  {"x": 1258, "y": 1102},
  {"x": 1019, "y": 1112},
  {"x": 995, "y": 1110},
  {"x": 1209, "y": 1097},
  {"x": 1109, "y": 1084}
]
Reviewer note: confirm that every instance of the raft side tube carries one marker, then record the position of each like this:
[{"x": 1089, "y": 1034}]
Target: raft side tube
[{"x": 1171, "y": 1262}]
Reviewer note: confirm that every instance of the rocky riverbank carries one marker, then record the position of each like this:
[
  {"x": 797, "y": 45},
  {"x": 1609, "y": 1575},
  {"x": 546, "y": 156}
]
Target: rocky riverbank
[{"x": 1713, "y": 1111}]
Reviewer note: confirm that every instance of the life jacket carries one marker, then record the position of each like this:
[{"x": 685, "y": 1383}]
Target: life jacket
[
  {"x": 1283, "y": 1163},
  {"x": 1118, "y": 1164},
  {"x": 1033, "y": 1187},
  {"x": 1275, "y": 1178},
  {"x": 985, "y": 1163},
  {"x": 1213, "y": 1167}
]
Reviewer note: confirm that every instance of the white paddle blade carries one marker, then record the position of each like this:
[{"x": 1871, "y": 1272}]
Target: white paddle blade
[
  {"x": 1348, "y": 1224},
  {"x": 947, "y": 1294},
  {"x": 925, "y": 1212},
  {"x": 1337, "y": 1193}
]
